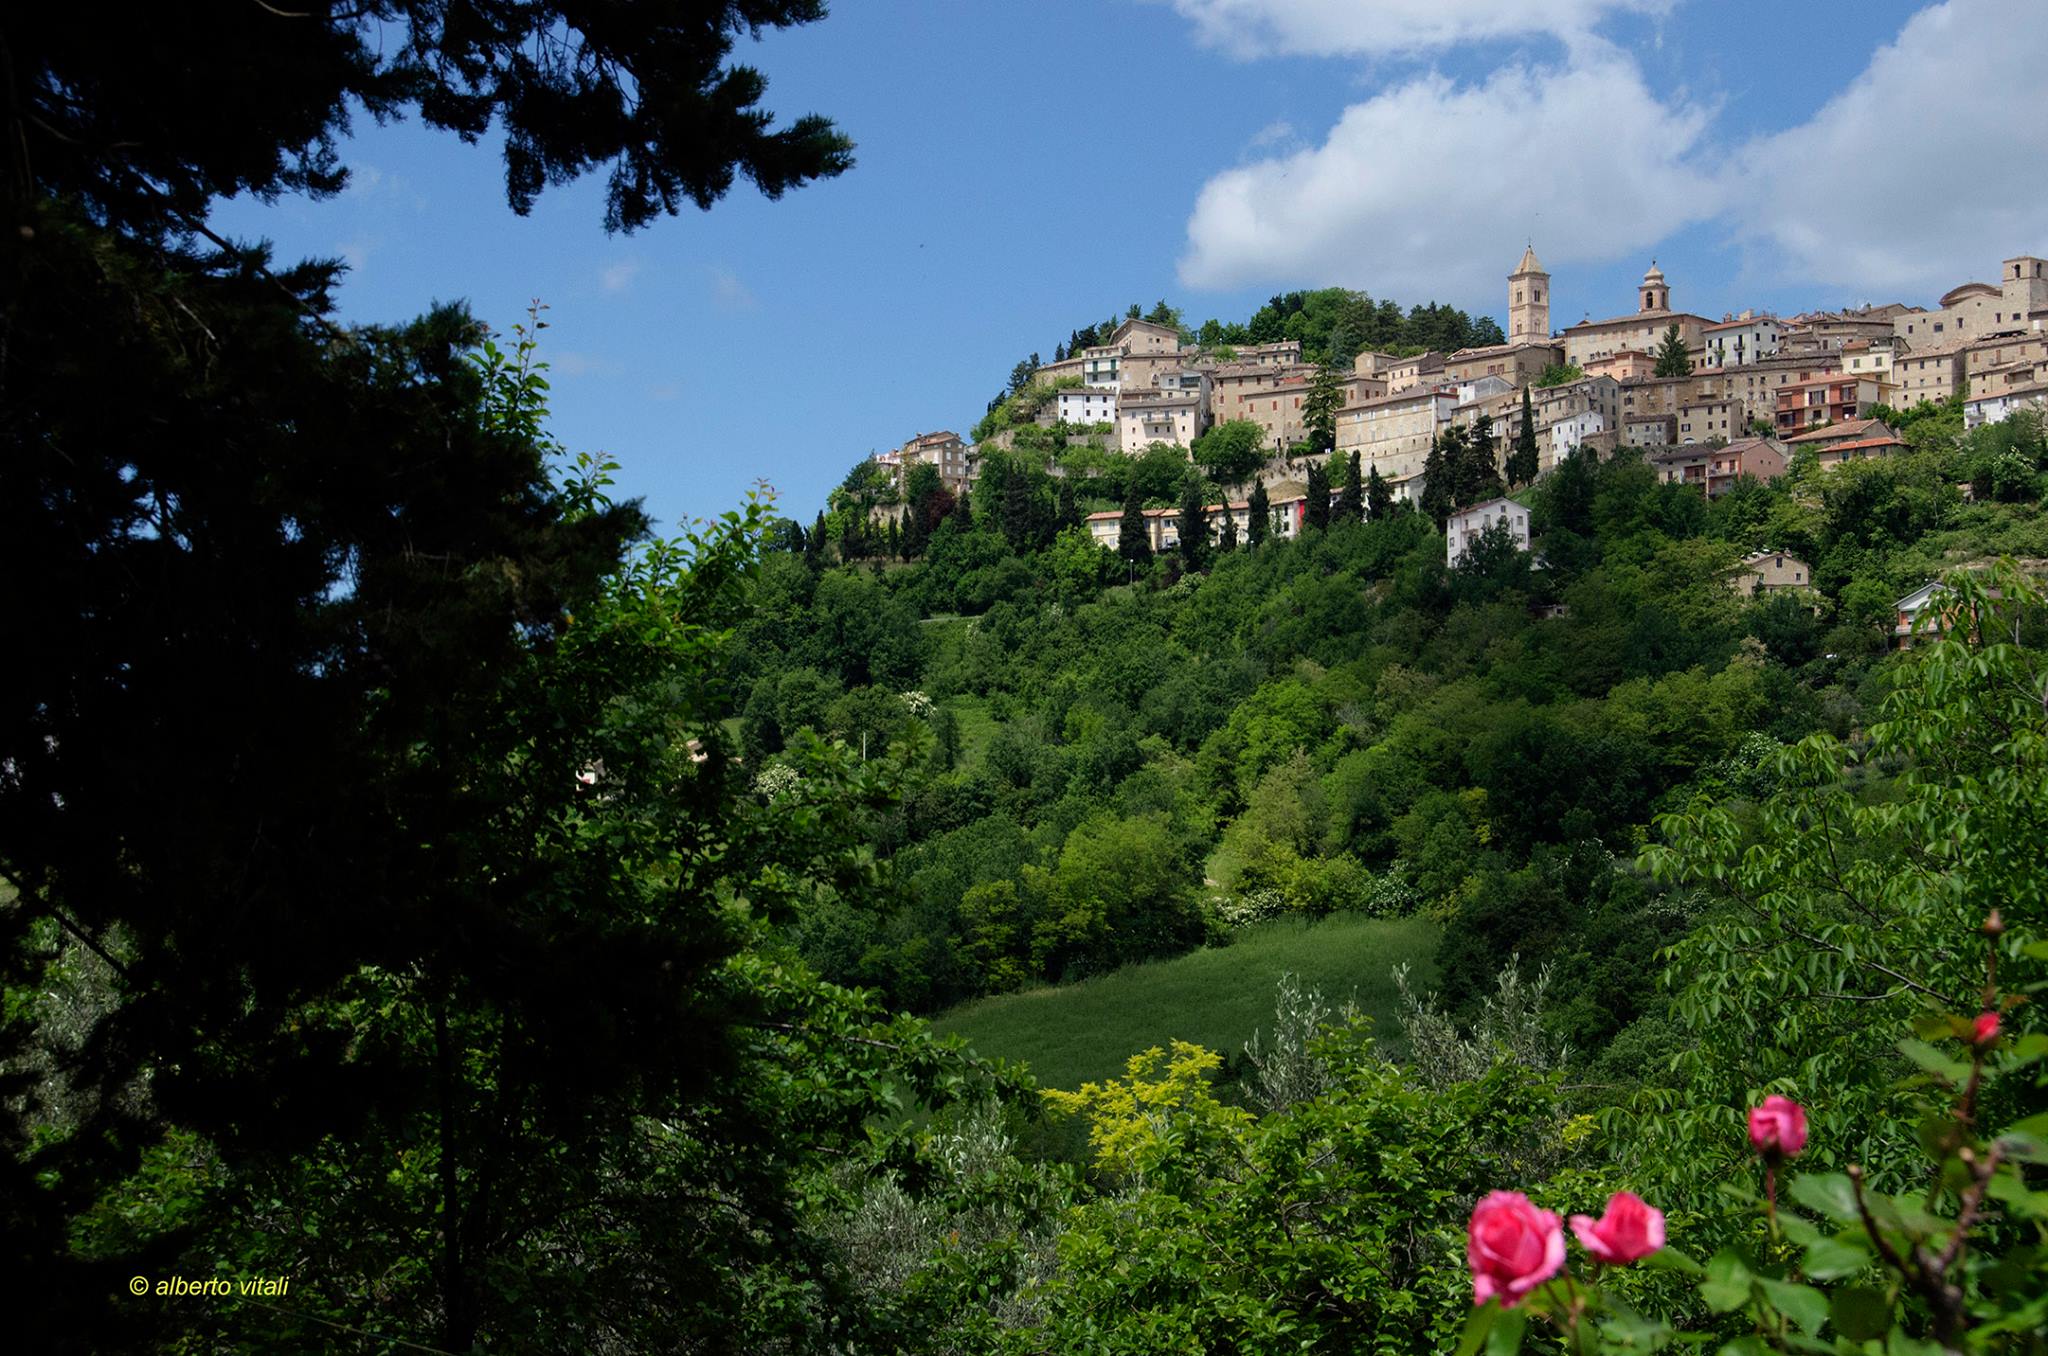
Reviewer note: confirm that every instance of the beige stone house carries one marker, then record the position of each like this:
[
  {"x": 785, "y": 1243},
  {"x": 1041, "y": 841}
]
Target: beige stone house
[
  {"x": 1769, "y": 572},
  {"x": 1393, "y": 433},
  {"x": 1705, "y": 418},
  {"x": 1272, "y": 397},
  {"x": 1405, "y": 374},
  {"x": 1159, "y": 416}
]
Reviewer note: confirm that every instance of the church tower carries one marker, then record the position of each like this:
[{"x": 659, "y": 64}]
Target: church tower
[
  {"x": 1656, "y": 296},
  {"x": 1528, "y": 300}
]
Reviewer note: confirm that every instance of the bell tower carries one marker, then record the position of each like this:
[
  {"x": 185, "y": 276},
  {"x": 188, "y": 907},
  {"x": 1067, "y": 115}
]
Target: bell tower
[
  {"x": 1656, "y": 295},
  {"x": 1528, "y": 300}
]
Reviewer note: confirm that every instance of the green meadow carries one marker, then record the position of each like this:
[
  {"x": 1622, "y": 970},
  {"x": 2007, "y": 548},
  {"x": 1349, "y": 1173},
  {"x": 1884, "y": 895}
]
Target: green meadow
[{"x": 1216, "y": 997}]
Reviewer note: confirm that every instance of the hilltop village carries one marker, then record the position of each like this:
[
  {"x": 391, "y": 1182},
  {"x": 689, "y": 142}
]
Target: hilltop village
[{"x": 1708, "y": 400}]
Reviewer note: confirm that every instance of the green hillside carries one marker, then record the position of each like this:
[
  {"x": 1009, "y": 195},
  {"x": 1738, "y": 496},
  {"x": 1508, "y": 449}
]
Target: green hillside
[{"x": 1215, "y": 997}]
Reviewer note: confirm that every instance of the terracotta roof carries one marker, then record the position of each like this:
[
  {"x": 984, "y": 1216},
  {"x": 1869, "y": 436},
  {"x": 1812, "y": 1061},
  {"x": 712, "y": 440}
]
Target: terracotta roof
[
  {"x": 1848, "y": 428},
  {"x": 1738, "y": 324},
  {"x": 1864, "y": 442}
]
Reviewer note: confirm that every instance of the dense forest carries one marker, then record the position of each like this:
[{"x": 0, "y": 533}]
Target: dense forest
[{"x": 439, "y": 914}]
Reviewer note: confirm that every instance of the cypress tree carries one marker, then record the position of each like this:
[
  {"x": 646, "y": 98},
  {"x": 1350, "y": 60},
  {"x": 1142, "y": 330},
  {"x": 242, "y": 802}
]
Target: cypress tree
[
  {"x": 1436, "y": 484},
  {"x": 1379, "y": 497},
  {"x": 1351, "y": 500},
  {"x": 1194, "y": 525},
  {"x": 1316, "y": 513},
  {"x": 814, "y": 544},
  {"x": 1226, "y": 535},
  {"x": 1673, "y": 358},
  {"x": 895, "y": 541},
  {"x": 1015, "y": 508},
  {"x": 1522, "y": 463},
  {"x": 916, "y": 536},
  {"x": 1132, "y": 541},
  {"x": 1261, "y": 515},
  {"x": 1070, "y": 507}
]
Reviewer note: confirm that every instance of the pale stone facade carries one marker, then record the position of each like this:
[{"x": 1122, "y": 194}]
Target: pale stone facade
[
  {"x": 1518, "y": 363},
  {"x": 1393, "y": 433},
  {"x": 1144, "y": 336},
  {"x": 1769, "y": 572},
  {"x": 1591, "y": 407},
  {"x": 1934, "y": 373},
  {"x": 1977, "y": 309},
  {"x": 1702, "y": 420},
  {"x": 1271, "y": 397},
  {"x": 1405, "y": 374},
  {"x": 955, "y": 461},
  {"x": 1157, "y": 416}
]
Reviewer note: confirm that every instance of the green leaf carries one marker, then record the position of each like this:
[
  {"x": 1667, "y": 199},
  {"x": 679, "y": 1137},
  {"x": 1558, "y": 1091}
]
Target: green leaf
[
  {"x": 1751, "y": 1345},
  {"x": 1668, "y": 1258},
  {"x": 1935, "y": 1062},
  {"x": 1899, "y": 1343},
  {"x": 1478, "y": 1326},
  {"x": 1726, "y": 1287},
  {"x": 1506, "y": 1337},
  {"x": 1830, "y": 1193},
  {"x": 1831, "y": 1259},
  {"x": 1860, "y": 1313},
  {"x": 1801, "y": 1303}
]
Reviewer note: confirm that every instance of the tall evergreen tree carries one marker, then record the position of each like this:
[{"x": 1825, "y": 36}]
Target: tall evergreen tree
[
  {"x": 1436, "y": 482},
  {"x": 916, "y": 536},
  {"x": 1319, "y": 411},
  {"x": 1133, "y": 540},
  {"x": 1673, "y": 358},
  {"x": 1522, "y": 463},
  {"x": 1226, "y": 534},
  {"x": 895, "y": 540},
  {"x": 1316, "y": 512},
  {"x": 1379, "y": 498},
  {"x": 1351, "y": 499},
  {"x": 1070, "y": 507},
  {"x": 814, "y": 544},
  {"x": 1261, "y": 515},
  {"x": 852, "y": 541},
  {"x": 1018, "y": 516},
  {"x": 1194, "y": 525}
]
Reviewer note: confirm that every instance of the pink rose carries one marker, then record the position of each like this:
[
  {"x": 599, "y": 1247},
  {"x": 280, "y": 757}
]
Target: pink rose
[
  {"x": 1778, "y": 1126},
  {"x": 1512, "y": 1247},
  {"x": 1628, "y": 1232},
  {"x": 1987, "y": 1027}
]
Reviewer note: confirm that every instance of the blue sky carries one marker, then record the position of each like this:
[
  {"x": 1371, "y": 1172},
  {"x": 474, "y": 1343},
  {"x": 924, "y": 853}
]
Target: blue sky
[{"x": 1026, "y": 167}]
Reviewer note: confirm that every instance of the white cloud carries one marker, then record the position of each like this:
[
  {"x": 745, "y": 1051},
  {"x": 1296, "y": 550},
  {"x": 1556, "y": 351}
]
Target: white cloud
[
  {"x": 1434, "y": 184},
  {"x": 356, "y": 252},
  {"x": 729, "y": 293},
  {"x": 1924, "y": 172},
  {"x": 665, "y": 390},
  {"x": 571, "y": 363},
  {"x": 616, "y": 278},
  {"x": 1252, "y": 28}
]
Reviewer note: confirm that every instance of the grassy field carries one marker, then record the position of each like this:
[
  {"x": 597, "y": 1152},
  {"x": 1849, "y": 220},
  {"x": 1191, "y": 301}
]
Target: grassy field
[{"x": 1214, "y": 998}]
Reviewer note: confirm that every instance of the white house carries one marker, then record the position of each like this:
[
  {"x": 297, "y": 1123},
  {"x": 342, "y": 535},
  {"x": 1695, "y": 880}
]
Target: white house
[
  {"x": 1086, "y": 405},
  {"x": 1567, "y": 433},
  {"x": 1464, "y": 527}
]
